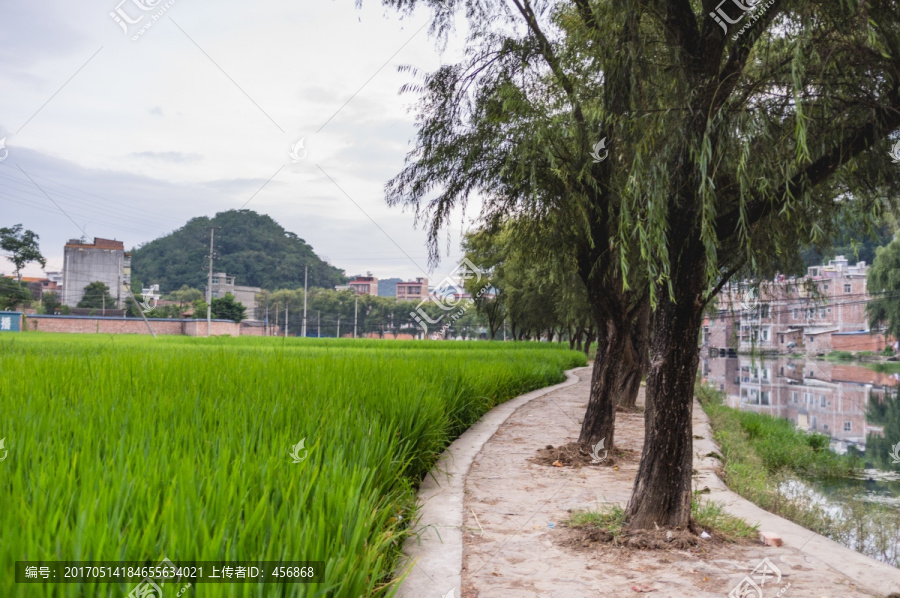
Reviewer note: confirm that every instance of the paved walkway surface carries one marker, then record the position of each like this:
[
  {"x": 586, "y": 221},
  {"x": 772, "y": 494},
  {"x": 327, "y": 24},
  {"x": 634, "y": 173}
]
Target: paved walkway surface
[{"x": 515, "y": 546}]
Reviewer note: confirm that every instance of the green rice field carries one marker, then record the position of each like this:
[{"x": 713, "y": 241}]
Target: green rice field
[{"x": 129, "y": 448}]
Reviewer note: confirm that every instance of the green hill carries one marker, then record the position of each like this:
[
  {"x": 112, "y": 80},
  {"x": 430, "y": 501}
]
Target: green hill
[{"x": 252, "y": 247}]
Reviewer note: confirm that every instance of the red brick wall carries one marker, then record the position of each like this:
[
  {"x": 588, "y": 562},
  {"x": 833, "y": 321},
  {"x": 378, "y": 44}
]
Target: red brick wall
[
  {"x": 129, "y": 326},
  {"x": 858, "y": 342},
  {"x": 253, "y": 330}
]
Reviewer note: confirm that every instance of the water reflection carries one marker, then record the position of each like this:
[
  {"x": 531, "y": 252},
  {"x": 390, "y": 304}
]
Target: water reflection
[
  {"x": 854, "y": 405},
  {"x": 859, "y": 409}
]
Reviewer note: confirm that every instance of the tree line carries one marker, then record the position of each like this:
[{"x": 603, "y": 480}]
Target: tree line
[{"x": 657, "y": 156}]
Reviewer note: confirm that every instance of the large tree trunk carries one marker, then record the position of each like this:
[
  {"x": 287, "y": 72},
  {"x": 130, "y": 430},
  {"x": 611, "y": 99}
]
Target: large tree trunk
[
  {"x": 662, "y": 488},
  {"x": 600, "y": 418},
  {"x": 635, "y": 357}
]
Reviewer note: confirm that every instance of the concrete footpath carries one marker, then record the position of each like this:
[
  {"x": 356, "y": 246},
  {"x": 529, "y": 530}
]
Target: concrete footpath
[{"x": 491, "y": 523}]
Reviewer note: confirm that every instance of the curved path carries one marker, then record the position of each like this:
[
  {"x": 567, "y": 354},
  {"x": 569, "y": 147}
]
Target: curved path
[{"x": 490, "y": 524}]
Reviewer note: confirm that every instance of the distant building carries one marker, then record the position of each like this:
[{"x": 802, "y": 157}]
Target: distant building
[
  {"x": 38, "y": 286},
  {"x": 56, "y": 277},
  {"x": 364, "y": 285},
  {"x": 223, "y": 284},
  {"x": 414, "y": 290},
  {"x": 151, "y": 294},
  {"x": 104, "y": 260},
  {"x": 388, "y": 287},
  {"x": 822, "y": 311}
]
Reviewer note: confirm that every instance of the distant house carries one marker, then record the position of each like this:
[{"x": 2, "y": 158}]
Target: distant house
[
  {"x": 104, "y": 260},
  {"x": 413, "y": 290},
  {"x": 38, "y": 286},
  {"x": 223, "y": 284},
  {"x": 364, "y": 285}
]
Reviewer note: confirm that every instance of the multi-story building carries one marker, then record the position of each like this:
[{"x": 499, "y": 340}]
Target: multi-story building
[
  {"x": 223, "y": 284},
  {"x": 364, "y": 285},
  {"x": 104, "y": 260},
  {"x": 824, "y": 310},
  {"x": 413, "y": 290}
]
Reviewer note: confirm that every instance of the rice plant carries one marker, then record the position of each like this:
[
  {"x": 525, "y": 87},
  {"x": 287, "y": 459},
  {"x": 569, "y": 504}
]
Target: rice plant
[{"x": 134, "y": 449}]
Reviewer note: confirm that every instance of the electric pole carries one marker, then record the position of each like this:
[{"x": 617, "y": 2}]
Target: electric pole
[
  {"x": 212, "y": 232},
  {"x": 305, "y": 277},
  {"x": 340, "y": 307},
  {"x": 285, "y": 319},
  {"x": 318, "y": 324},
  {"x": 355, "y": 313}
]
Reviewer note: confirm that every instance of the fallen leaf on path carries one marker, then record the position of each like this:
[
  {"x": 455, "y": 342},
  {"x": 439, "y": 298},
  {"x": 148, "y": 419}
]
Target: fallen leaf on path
[
  {"x": 643, "y": 588},
  {"x": 557, "y": 464}
]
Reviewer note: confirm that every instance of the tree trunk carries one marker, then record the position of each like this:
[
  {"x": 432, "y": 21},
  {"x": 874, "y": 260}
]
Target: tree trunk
[
  {"x": 578, "y": 342},
  {"x": 662, "y": 488},
  {"x": 589, "y": 338},
  {"x": 635, "y": 357},
  {"x": 600, "y": 418}
]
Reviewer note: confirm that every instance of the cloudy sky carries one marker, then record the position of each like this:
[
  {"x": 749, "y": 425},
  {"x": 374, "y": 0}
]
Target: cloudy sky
[{"x": 125, "y": 138}]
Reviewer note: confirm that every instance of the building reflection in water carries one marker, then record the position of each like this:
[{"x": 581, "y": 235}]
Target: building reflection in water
[{"x": 816, "y": 396}]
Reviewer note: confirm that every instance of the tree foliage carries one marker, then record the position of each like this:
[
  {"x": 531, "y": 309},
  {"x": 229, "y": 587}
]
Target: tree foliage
[
  {"x": 227, "y": 308},
  {"x": 883, "y": 284},
  {"x": 50, "y": 302},
  {"x": 726, "y": 150},
  {"x": 22, "y": 246},
  {"x": 96, "y": 296},
  {"x": 13, "y": 294}
]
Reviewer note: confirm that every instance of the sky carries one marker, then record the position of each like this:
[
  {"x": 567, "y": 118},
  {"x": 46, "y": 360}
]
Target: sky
[{"x": 124, "y": 119}]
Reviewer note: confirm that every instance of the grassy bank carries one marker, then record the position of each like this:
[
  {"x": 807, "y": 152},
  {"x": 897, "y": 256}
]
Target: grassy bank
[
  {"x": 764, "y": 457},
  {"x": 130, "y": 448}
]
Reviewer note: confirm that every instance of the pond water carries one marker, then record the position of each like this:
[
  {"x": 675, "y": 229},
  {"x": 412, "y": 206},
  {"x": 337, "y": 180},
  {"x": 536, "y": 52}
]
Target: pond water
[{"x": 857, "y": 407}]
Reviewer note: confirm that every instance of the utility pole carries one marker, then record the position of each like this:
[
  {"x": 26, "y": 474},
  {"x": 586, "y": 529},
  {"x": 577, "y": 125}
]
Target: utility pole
[
  {"x": 340, "y": 306},
  {"x": 355, "y": 313},
  {"x": 285, "y": 319},
  {"x": 305, "y": 276},
  {"x": 318, "y": 324},
  {"x": 212, "y": 232}
]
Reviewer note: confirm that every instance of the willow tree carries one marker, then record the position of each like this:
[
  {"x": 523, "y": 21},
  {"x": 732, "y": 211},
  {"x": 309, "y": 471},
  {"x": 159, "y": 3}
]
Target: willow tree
[
  {"x": 523, "y": 122},
  {"x": 730, "y": 139}
]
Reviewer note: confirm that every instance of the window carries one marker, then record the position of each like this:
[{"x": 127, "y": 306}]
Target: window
[
  {"x": 764, "y": 335},
  {"x": 848, "y": 426},
  {"x": 825, "y": 427},
  {"x": 796, "y": 313},
  {"x": 825, "y": 287},
  {"x": 721, "y": 316},
  {"x": 814, "y": 271},
  {"x": 848, "y": 288},
  {"x": 215, "y": 280},
  {"x": 821, "y": 400},
  {"x": 794, "y": 395},
  {"x": 764, "y": 397},
  {"x": 764, "y": 310}
]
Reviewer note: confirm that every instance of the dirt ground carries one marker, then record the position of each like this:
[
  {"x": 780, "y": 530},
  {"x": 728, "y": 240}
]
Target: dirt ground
[{"x": 517, "y": 546}]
